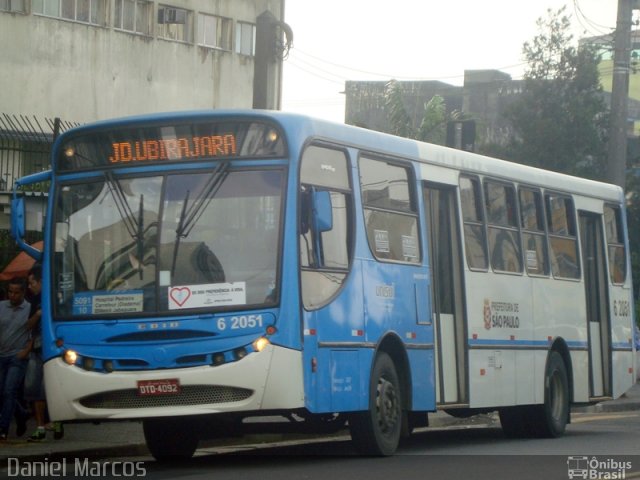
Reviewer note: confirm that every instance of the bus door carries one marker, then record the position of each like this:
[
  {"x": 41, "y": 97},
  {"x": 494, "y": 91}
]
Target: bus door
[
  {"x": 447, "y": 293},
  {"x": 597, "y": 296}
]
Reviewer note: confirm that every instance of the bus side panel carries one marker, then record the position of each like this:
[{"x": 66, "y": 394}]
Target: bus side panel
[
  {"x": 397, "y": 302},
  {"x": 421, "y": 362},
  {"x": 559, "y": 307},
  {"x": 335, "y": 362},
  {"x": 620, "y": 307},
  {"x": 500, "y": 327}
]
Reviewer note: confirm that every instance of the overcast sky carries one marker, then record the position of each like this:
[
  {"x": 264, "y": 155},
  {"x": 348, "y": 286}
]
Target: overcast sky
[{"x": 338, "y": 40}]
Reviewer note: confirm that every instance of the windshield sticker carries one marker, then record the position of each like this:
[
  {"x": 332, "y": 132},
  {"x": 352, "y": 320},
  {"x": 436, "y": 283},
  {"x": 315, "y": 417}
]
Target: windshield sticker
[
  {"x": 88, "y": 303},
  {"x": 209, "y": 295}
]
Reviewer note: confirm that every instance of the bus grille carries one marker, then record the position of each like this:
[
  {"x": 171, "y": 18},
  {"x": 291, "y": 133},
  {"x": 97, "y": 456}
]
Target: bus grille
[{"x": 189, "y": 395}]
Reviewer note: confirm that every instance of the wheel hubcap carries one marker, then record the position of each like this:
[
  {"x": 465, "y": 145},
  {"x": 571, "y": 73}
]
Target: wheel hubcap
[{"x": 387, "y": 405}]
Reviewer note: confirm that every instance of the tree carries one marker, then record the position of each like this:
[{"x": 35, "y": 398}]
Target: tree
[
  {"x": 433, "y": 126},
  {"x": 560, "y": 120}
]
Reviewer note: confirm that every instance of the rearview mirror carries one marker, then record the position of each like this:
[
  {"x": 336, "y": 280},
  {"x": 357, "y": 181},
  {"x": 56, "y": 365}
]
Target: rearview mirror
[{"x": 322, "y": 211}]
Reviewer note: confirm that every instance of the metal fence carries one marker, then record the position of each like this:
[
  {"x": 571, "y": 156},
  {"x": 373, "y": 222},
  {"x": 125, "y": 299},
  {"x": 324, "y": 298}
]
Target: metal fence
[{"x": 25, "y": 147}]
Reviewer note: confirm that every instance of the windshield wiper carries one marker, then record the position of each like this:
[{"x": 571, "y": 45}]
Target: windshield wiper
[
  {"x": 135, "y": 229},
  {"x": 190, "y": 214}
]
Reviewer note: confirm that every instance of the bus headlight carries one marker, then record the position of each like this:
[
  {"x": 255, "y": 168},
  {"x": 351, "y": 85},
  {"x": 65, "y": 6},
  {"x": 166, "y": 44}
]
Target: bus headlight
[
  {"x": 260, "y": 344},
  {"x": 70, "y": 357}
]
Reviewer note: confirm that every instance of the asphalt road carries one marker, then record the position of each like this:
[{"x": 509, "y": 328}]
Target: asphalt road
[{"x": 598, "y": 445}]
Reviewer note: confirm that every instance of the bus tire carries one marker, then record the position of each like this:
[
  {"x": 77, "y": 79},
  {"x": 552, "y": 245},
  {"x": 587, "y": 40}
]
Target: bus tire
[
  {"x": 170, "y": 438},
  {"x": 550, "y": 419},
  {"x": 376, "y": 432}
]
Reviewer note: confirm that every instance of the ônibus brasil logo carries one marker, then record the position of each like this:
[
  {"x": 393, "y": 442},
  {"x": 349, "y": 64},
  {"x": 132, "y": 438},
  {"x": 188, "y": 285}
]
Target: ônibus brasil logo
[{"x": 594, "y": 468}]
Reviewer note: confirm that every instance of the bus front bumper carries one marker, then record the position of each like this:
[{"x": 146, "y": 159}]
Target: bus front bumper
[{"x": 266, "y": 380}]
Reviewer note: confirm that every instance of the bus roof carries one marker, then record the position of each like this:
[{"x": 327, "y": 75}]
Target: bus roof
[{"x": 301, "y": 128}]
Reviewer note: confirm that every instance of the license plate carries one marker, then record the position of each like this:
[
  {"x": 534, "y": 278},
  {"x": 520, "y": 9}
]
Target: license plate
[{"x": 168, "y": 386}]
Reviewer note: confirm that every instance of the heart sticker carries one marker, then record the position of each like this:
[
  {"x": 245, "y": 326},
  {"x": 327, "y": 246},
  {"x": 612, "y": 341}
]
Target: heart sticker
[{"x": 180, "y": 295}]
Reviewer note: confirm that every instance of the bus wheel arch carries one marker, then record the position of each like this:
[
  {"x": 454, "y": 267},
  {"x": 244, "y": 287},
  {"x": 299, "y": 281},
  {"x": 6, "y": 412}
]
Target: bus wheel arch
[{"x": 549, "y": 418}]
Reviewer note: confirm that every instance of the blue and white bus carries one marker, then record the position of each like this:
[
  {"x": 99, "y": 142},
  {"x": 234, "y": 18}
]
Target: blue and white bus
[{"x": 201, "y": 268}]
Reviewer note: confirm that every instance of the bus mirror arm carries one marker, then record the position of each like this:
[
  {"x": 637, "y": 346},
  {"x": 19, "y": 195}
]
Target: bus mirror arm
[{"x": 18, "y": 217}]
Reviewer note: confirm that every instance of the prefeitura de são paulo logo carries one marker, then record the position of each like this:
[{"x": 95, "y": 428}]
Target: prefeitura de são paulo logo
[{"x": 487, "y": 314}]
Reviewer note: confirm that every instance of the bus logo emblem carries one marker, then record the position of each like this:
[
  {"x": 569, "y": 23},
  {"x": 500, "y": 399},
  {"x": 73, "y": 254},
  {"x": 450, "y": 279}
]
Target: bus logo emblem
[{"x": 487, "y": 314}]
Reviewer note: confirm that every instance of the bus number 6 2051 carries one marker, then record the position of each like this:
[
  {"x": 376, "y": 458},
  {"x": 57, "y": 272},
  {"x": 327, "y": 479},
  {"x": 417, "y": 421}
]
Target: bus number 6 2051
[{"x": 239, "y": 322}]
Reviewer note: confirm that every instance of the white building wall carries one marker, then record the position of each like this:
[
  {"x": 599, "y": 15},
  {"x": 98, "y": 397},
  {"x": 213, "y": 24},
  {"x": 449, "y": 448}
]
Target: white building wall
[{"x": 51, "y": 67}]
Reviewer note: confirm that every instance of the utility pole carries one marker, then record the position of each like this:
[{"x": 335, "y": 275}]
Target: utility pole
[
  {"x": 620, "y": 93},
  {"x": 270, "y": 48}
]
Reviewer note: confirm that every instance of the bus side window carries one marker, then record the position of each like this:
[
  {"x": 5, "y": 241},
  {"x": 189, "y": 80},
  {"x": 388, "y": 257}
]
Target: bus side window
[
  {"x": 562, "y": 236},
  {"x": 615, "y": 244},
  {"x": 475, "y": 241},
  {"x": 504, "y": 235},
  {"x": 325, "y": 256},
  {"x": 390, "y": 211},
  {"x": 533, "y": 232}
]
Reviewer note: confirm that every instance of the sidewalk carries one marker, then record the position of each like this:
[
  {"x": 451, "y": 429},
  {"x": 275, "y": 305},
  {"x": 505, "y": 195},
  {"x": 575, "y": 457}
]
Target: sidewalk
[{"x": 126, "y": 438}]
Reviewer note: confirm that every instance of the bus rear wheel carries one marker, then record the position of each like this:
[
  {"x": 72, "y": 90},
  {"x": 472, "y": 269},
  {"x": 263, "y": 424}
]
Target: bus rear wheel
[
  {"x": 550, "y": 419},
  {"x": 170, "y": 438},
  {"x": 377, "y": 431}
]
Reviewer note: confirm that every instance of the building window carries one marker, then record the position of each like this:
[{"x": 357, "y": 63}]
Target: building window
[
  {"x": 12, "y": 6},
  {"x": 214, "y": 31},
  {"x": 93, "y": 12},
  {"x": 246, "y": 39},
  {"x": 175, "y": 24},
  {"x": 133, "y": 16}
]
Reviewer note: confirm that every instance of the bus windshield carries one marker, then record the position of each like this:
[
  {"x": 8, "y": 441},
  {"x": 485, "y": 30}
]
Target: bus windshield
[{"x": 165, "y": 243}]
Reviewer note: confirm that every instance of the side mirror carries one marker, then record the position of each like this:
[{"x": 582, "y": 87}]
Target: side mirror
[
  {"x": 18, "y": 212},
  {"x": 18, "y": 220},
  {"x": 322, "y": 211}
]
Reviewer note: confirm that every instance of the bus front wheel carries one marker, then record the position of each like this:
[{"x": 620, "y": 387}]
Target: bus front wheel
[
  {"x": 170, "y": 438},
  {"x": 377, "y": 430}
]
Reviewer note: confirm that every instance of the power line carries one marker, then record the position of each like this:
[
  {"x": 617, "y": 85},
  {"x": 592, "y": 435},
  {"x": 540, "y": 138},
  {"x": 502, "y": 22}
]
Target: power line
[
  {"x": 314, "y": 74},
  {"x": 323, "y": 68},
  {"x": 597, "y": 28}
]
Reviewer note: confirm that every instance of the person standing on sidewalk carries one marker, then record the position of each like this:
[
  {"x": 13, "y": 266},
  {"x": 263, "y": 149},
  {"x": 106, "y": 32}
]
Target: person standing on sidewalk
[
  {"x": 34, "y": 382},
  {"x": 15, "y": 345}
]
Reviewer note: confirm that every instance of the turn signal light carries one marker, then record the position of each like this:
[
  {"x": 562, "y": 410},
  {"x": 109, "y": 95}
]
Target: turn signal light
[{"x": 260, "y": 344}]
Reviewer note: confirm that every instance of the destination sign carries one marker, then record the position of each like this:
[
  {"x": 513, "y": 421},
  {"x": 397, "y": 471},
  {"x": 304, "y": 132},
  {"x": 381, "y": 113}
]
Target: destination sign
[
  {"x": 174, "y": 149},
  {"x": 144, "y": 143}
]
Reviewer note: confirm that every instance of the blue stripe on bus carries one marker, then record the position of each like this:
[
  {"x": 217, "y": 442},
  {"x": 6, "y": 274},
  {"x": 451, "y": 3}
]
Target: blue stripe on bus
[{"x": 522, "y": 343}]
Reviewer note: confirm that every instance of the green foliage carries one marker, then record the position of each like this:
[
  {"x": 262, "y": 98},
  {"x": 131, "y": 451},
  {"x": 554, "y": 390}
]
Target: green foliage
[
  {"x": 397, "y": 113},
  {"x": 560, "y": 120},
  {"x": 433, "y": 126}
]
